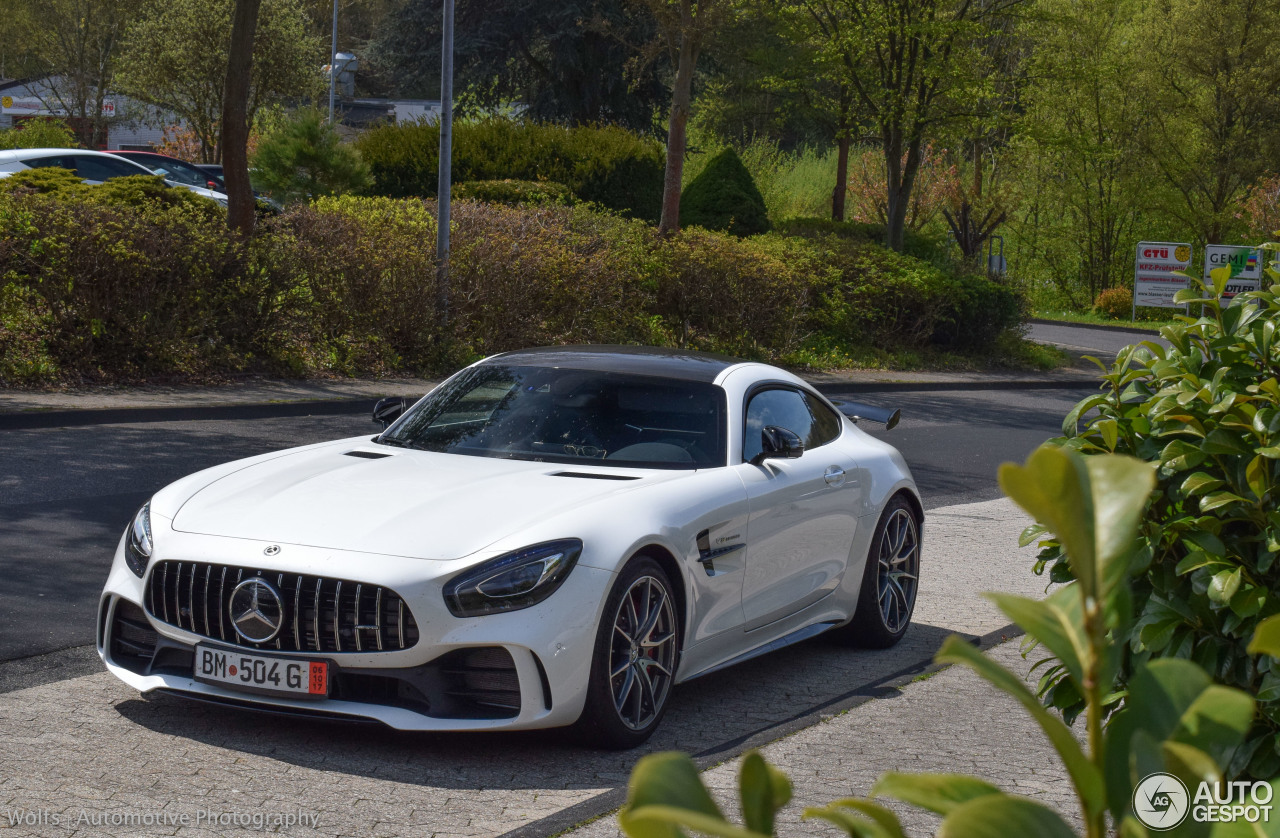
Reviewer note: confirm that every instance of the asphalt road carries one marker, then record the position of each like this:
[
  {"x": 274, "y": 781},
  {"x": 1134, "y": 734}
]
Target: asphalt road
[
  {"x": 67, "y": 493},
  {"x": 1100, "y": 342}
]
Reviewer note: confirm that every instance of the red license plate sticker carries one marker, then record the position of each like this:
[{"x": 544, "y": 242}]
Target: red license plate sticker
[{"x": 319, "y": 681}]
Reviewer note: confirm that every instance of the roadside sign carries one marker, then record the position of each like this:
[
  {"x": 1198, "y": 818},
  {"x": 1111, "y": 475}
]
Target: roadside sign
[
  {"x": 34, "y": 106},
  {"x": 1153, "y": 281},
  {"x": 1245, "y": 263}
]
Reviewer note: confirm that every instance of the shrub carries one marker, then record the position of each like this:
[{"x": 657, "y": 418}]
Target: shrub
[
  {"x": 752, "y": 296},
  {"x": 39, "y": 133},
  {"x": 305, "y": 160},
  {"x": 513, "y": 192},
  {"x": 917, "y": 243},
  {"x": 24, "y": 332},
  {"x": 724, "y": 197},
  {"x": 1206, "y": 412},
  {"x": 1115, "y": 303},
  {"x": 605, "y": 165}
]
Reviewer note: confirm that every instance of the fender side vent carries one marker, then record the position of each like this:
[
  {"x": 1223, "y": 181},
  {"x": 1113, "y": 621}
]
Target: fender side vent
[
  {"x": 590, "y": 476},
  {"x": 366, "y": 455}
]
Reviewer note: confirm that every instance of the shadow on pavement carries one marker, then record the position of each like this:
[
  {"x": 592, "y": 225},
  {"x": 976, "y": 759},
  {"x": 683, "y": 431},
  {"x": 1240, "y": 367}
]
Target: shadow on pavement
[{"x": 706, "y": 715}]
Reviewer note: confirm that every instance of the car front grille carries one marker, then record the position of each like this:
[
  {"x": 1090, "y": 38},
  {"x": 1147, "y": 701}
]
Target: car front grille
[{"x": 319, "y": 614}]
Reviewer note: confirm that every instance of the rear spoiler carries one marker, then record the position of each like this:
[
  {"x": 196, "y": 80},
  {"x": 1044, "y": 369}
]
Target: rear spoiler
[{"x": 858, "y": 410}]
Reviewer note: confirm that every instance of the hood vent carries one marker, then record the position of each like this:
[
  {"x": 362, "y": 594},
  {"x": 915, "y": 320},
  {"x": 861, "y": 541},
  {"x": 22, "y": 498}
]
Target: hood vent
[
  {"x": 367, "y": 455},
  {"x": 591, "y": 476}
]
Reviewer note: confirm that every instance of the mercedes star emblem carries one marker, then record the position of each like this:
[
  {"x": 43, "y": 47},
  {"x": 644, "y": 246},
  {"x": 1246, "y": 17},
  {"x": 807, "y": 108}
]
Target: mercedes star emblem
[
  {"x": 272, "y": 550},
  {"x": 256, "y": 610}
]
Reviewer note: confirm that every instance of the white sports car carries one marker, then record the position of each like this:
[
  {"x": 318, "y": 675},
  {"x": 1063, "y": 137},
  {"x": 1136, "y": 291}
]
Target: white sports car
[{"x": 550, "y": 537}]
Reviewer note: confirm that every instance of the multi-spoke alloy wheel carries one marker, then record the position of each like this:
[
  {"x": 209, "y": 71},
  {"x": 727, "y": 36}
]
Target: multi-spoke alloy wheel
[
  {"x": 898, "y": 569},
  {"x": 643, "y": 652},
  {"x": 890, "y": 580},
  {"x": 634, "y": 660}
]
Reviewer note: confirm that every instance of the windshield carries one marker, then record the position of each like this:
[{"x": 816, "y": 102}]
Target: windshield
[{"x": 570, "y": 416}]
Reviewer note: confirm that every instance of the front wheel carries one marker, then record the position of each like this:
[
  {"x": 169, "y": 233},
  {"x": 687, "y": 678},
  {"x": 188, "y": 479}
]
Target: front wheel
[
  {"x": 634, "y": 659},
  {"x": 890, "y": 580}
]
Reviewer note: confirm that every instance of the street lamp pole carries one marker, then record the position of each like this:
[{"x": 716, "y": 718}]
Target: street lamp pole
[
  {"x": 333, "y": 60},
  {"x": 446, "y": 161}
]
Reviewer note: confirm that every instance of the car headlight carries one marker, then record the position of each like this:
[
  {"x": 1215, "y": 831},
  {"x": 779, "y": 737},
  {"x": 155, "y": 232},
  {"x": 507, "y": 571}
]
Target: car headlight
[
  {"x": 514, "y": 581},
  {"x": 137, "y": 542}
]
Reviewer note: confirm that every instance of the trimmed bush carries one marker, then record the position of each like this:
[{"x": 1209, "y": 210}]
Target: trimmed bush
[
  {"x": 724, "y": 197},
  {"x": 605, "y": 165},
  {"x": 513, "y": 192}
]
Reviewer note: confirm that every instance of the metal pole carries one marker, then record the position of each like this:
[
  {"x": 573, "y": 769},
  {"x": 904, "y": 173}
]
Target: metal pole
[
  {"x": 333, "y": 60},
  {"x": 446, "y": 162}
]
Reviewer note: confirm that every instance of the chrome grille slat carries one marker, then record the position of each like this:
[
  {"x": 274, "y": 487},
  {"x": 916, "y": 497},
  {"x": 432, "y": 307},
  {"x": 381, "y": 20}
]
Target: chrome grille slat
[{"x": 165, "y": 602}]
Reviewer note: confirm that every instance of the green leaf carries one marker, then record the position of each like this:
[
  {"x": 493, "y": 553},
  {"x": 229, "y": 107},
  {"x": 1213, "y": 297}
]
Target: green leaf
[
  {"x": 883, "y": 817},
  {"x": 1092, "y": 504},
  {"x": 1216, "y": 500},
  {"x": 662, "y": 783},
  {"x": 940, "y": 793},
  {"x": 1055, "y": 622},
  {"x": 1258, "y": 475},
  {"x": 658, "y": 820},
  {"x": 1266, "y": 638},
  {"x": 1002, "y": 816},
  {"x": 1084, "y": 775},
  {"x": 763, "y": 790},
  {"x": 1072, "y": 419},
  {"x": 1200, "y": 482},
  {"x": 1030, "y": 534},
  {"x": 1223, "y": 585},
  {"x": 855, "y": 826}
]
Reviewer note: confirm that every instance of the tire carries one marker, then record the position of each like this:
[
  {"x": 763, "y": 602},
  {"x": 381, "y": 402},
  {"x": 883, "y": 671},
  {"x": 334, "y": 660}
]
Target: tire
[
  {"x": 632, "y": 676},
  {"x": 890, "y": 580}
]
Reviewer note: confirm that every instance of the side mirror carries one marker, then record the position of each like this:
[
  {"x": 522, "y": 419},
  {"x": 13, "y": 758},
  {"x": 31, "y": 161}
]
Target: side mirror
[
  {"x": 389, "y": 410},
  {"x": 777, "y": 443},
  {"x": 857, "y": 410}
]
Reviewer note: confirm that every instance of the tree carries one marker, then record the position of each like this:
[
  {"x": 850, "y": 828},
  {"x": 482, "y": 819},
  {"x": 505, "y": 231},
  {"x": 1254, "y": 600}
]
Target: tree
[
  {"x": 235, "y": 117},
  {"x": 176, "y": 57},
  {"x": 918, "y": 69},
  {"x": 567, "y": 61},
  {"x": 724, "y": 197},
  {"x": 684, "y": 27},
  {"x": 73, "y": 46},
  {"x": 304, "y": 160},
  {"x": 1078, "y": 148},
  {"x": 1210, "y": 71}
]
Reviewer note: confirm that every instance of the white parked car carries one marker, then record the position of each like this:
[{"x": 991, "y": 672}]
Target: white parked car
[
  {"x": 93, "y": 167},
  {"x": 550, "y": 537}
]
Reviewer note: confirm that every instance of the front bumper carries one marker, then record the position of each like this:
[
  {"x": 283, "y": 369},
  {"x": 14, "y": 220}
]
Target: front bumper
[{"x": 517, "y": 670}]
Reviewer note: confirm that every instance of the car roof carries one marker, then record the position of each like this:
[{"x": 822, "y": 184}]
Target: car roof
[
  {"x": 684, "y": 364},
  {"x": 25, "y": 153}
]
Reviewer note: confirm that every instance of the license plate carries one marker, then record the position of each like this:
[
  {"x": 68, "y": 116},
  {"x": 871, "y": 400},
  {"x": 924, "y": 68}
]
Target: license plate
[{"x": 261, "y": 673}]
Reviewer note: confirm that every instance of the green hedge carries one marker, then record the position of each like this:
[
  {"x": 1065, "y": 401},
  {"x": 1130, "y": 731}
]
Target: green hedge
[
  {"x": 608, "y": 166},
  {"x": 130, "y": 280},
  {"x": 513, "y": 192}
]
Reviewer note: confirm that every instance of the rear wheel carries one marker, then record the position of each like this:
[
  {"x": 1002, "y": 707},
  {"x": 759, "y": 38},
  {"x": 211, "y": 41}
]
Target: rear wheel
[
  {"x": 890, "y": 580},
  {"x": 634, "y": 660}
]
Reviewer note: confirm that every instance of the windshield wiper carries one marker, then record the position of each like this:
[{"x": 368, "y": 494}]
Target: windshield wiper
[{"x": 390, "y": 440}]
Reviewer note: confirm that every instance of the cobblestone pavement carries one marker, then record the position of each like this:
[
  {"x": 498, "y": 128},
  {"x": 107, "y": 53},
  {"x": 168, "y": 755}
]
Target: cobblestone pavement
[
  {"x": 952, "y": 722},
  {"x": 91, "y": 746}
]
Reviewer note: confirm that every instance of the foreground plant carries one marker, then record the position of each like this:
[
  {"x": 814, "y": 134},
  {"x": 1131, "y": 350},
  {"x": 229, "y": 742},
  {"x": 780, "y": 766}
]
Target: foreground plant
[{"x": 1174, "y": 720}]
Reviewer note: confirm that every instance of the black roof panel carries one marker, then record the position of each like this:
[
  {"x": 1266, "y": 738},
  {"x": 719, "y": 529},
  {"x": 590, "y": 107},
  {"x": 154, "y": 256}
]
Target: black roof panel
[{"x": 637, "y": 360}]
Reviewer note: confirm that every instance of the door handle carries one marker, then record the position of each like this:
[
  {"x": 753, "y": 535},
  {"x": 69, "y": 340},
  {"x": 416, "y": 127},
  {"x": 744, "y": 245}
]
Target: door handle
[{"x": 834, "y": 476}]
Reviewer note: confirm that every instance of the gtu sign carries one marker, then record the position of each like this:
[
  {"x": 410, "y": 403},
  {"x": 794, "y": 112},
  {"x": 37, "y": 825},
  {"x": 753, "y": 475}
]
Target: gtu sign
[{"x": 1154, "y": 283}]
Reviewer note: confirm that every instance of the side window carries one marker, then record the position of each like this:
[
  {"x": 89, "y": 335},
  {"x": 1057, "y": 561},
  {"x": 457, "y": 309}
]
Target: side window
[
  {"x": 49, "y": 162},
  {"x": 104, "y": 168},
  {"x": 785, "y": 408},
  {"x": 826, "y": 424}
]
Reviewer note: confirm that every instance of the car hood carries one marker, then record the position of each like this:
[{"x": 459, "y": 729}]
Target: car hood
[{"x": 375, "y": 499}]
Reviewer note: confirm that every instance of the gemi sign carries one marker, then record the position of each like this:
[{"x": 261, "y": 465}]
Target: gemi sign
[{"x": 1244, "y": 262}]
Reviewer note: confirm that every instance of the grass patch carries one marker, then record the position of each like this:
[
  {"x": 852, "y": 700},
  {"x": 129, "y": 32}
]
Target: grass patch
[
  {"x": 1147, "y": 318},
  {"x": 1009, "y": 354}
]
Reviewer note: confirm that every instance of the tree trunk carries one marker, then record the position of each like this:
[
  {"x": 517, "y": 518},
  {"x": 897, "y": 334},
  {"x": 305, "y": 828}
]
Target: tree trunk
[
  {"x": 843, "y": 131},
  {"x": 681, "y": 97},
  {"x": 235, "y": 117}
]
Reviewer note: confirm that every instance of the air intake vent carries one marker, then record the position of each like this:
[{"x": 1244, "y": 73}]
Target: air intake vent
[
  {"x": 317, "y": 614},
  {"x": 479, "y": 683},
  {"x": 589, "y": 476},
  {"x": 133, "y": 641},
  {"x": 367, "y": 455}
]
